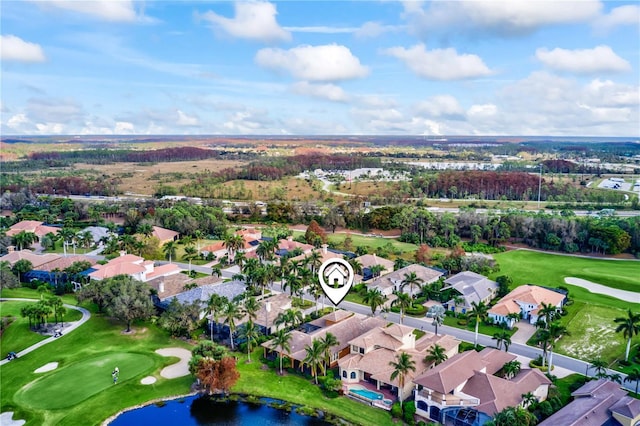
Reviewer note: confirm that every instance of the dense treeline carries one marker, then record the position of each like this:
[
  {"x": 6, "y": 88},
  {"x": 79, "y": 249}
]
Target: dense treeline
[
  {"x": 70, "y": 185},
  {"x": 106, "y": 156},
  {"x": 492, "y": 185}
]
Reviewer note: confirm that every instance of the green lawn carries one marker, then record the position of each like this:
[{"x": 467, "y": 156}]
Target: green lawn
[
  {"x": 483, "y": 328},
  {"x": 372, "y": 243},
  {"x": 299, "y": 390},
  {"x": 18, "y": 336},
  {"x": 528, "y": 267}
]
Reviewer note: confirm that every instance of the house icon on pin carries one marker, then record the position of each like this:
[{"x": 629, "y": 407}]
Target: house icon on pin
[{"x": 336, "y": 276}]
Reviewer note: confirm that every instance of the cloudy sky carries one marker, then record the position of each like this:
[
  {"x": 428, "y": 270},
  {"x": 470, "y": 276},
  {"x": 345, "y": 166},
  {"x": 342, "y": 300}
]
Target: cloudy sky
[{"x": 331, "y": 67}]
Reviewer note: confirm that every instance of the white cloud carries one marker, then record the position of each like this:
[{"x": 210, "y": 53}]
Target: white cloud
[
  {"x": 622, "y": 15},
  {"x": 445, "y": 106},
  {"x": 124, "y": 127},
  {"x": 13, "y": 48},
  {"x": 324, "y": 91},
  {"x": 54, "y": 110},
  {"x": 17, "y": 121},
  {"x": 107, "y": 10},
  {"x": 248, "y": 121},
  {"x": 313, "y": 63},
  {"x": 185, "y": 120},
  {"x": 253, "y": 20},
  {"x": 322, "y": 30},
  {"x": 609, "y": 94},
  {"x": 440, "y": 64},
  {"x": 373, "y": 29},
  {"x": 482, "y": 111},
  {"x": 583, "y": 61},
  {"x": 507, "y": 18}
]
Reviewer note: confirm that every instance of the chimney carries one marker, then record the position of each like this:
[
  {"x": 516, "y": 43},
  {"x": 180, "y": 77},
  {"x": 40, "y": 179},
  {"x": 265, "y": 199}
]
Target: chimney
[
  {"x": 161, "y": 287},
  {"x": 290, "y": 238},
  {"x": 11, "y": 249},
  {"x": 324, "y": 248},
  {"x": 123, "y": 252}
]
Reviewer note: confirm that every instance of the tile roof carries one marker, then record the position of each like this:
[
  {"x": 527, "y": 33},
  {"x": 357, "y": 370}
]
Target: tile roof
[
  {"x": 426, "y": 274},
  {"x": 369, "y": 260},
  {"x": 447, "y": 376},
  {"x": 164, "y": 234},
  {"x": 590, "y": 406},
  {"x": 112, "y": 269},
  {"x": 473, "y": 287},
  {"x": 278, "y": 303},
  {"x": 62, "y": 263},
  {"x": 37, "y": 227},
  {"x": 35, "y": 259},
  {"x": 162, "y": 270},
  {"x": 172, "y": 284},
  {"x": 531, "y": 294},
  {"x": 203, "y": 293}
]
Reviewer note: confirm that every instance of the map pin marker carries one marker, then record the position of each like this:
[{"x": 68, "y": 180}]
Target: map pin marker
[{"x": 336, "y": 278}]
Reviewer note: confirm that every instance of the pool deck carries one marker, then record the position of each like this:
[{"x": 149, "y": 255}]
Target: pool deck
[{"x": 385, "y": 392}]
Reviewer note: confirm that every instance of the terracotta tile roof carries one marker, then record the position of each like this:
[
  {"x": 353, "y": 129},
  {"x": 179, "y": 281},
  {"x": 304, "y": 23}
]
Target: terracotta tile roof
[
  {"x": 494, "y": 359},
  {"x": 127, "y": 258},
  {"x": 112, "y": 269},
  {"x": 531, "y": 294},
  {"x": 369, "y": 260},
  {"x": 164, "y": 270},
  {"x": 291, "y": 245},
  {"x": 62, "y": 263},
  {"x": 447, "y": 376},
  {"x": 36, "y": 259},
  {"x": 428, "y": 275},
  {"x": 164, "y": 234},
  {"x": 34, "y": 226},
  {"x": 217, "y": 246},
  {"x": 172, "y": 284},
  {"x": 278, "y": 303}
]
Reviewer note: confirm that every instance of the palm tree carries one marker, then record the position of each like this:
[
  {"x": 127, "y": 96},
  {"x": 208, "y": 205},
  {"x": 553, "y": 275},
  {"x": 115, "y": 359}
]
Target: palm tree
[
  {"x": 24, "y": 239},
  {"x": 251, "y": 307},
  {"x": 528, "y": 399},
  {"x": 634, "y": 376},
  {"x": 548, "y": 312},
  {"x": 377, "y": 269},
  {"x": 437, "y": 313},
  {"x": 169, "y": 250},
  {"x": 232, "y": 313},
  {"x": 615, "y": 377},
  {"x": 600, "y": 367},
  {"x": 511, "y": 368},
  {"x": 294, "y": 282},
  {"x": 328, "y": 342},
  {"x": 281, "y": 340},
  {"x": 412, "y": 280},
  {"x": 479, "y": 312},
  {"x": 437, "y": 355},
  {"x": 502, "y": 338},
  {"x": 374, "y": 298},
  {"x": 556, "y": 330},
  {"x": 403, "y": 301},
  {"x": 233, "y": 243},
  {"x": 543, "y": 338},
  {"x": 401, "y": 368},
  {"x": 355, "y": 265},
  {"x": 314, "y": 358},
  {"x": 315, "y": 260},
  {"x": 215, "y": 307},
  {"x": 629, "y": 326},
  {"x": 250, "y": 332},
  {"x": 198, "y": 235},
  {"x": 289, "y": 318}
]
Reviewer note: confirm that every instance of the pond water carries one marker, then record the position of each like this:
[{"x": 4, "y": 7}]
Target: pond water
[{"x": 202, "y": 411}]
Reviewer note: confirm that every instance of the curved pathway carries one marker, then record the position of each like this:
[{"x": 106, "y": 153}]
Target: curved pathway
[
  {"x": 72, "y": 326},
  {"x": 627, "y": 296}
]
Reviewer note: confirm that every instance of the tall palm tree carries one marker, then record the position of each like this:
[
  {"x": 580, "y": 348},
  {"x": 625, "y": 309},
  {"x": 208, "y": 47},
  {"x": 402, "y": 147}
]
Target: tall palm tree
[
  {"x": 215, "y": 307},
  {"x": 479, "y": 312},
  {"x": 328, "y": 341},
  {"x": 315, "y": 261},
  {"x": 543, "y": 338},
  {"x": 251, "y": 307},
  {"x": 634, "y": 376},
  {"x": 170, "y": 250},
  {"x": 436, "y": 354},
  {"x": 402, "y": 301},
  {"x": 314, "y": 358},
  {"x": 232, "y": 313},
  {"x": 249, "y": 332},
  {"x": 374, "y": 298},
  {"x": 437, "y": 313},
  {"x": 401, "y": 368},
  {"x": 281, "y": 340},
  {"x": 233, "y": 243},
  {"x": 355, "y": 265},
  {"x": 556, "y": 330},
  {"x": 294, "y": 283},
  {"x": 412, "y": 280},
  {"x": 502, "y": 338},
  {"x": 548, "y": 312},
  {"x": 600, "y": 367},
  {"x": 629, "y": 326}
]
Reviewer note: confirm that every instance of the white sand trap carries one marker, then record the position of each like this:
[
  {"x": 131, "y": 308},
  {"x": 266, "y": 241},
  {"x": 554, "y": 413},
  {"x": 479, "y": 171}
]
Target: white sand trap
[
  {"x": 628, "y": 296},
  {"x": 149, "y": 380},
  {"x": 6, "y": 419},
  {"x": 179, "y": 369},
  {"x": 47, "y": 367}
]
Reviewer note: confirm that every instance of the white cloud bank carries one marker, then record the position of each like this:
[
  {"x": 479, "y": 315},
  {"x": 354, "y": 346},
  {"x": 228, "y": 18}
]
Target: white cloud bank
[
  {"x": 13, "y": 48},
  {"x": 440, "y": 64},
  {"x": 583, "y": 61},
  {"x": 106, "y": 10},
  {"x": 330, "y": 62}
]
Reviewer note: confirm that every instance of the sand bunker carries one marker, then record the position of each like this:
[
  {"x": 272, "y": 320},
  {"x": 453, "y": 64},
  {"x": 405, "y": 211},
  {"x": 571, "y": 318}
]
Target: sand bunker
[
  {"x": 627, "y": 296},
  {"x": 6, "y": 419},
  {"x": 179, "y": 369},
  {"x": 47, "y": 367},
  {"x": 149, "y": 380}
]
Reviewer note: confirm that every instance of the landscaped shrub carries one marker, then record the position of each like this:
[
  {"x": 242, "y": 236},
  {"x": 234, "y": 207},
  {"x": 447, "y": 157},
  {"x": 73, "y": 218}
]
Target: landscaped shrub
[
  {"x": 396, "y": 410},
  {"x": 417, "y": 310},
  {"x": 409, "y": 409}
]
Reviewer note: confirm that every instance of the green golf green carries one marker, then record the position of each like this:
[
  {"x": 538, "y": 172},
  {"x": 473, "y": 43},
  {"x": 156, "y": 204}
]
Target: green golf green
[{"x": 73, "y": 384}]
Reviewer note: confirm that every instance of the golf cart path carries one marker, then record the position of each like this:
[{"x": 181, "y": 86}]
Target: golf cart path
[
  {"x": 180, "y": 368},
  {"x": 627, "y": 296},
  {"x": 72, "y": 326}
]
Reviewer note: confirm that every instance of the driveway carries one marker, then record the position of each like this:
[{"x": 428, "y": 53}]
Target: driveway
[{"x": 524, "y": 333}]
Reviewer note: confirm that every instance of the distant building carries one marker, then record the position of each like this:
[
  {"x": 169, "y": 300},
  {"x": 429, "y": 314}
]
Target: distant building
[{"x": 34, "y": 226}]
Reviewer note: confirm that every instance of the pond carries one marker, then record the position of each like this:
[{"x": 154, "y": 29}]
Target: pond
[{"x": 203, "y": 410}]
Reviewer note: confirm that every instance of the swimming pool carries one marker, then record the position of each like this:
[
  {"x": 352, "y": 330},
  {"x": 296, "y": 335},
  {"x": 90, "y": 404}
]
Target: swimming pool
[{"x": 366, "y": 393}]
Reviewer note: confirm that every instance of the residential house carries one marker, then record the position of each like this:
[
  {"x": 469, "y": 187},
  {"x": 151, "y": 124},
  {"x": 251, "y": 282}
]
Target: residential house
[
  {"x": 203, "y": 292},
  {"x": 467, "y": 382},
  {"x": 45, "y": 267},
  {"x": 372, "y": 353},
  {"x": 164, "y": 235},
  {"x": 598, "y": 403},
  {"x": 470, "y": 287},
  {"x": 285, "y": 246},
  {"x": 270, "y": 308},
  {"x": 37, "y": 227},
  {"x": 525, "y": 300},
  {"x": 392, "y": 281},
  {"x": 371, "y": 261},
  {"x": 36, "y": 260},
  {"x": 134, "y": 266},
  {"x": 98, "y": 233},
  {"x": 344, "y": 325},
  {"x": 250, "y": 241}
]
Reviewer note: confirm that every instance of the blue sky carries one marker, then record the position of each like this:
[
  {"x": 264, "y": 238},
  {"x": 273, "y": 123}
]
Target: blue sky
[{"x": 332, "y": 67}]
